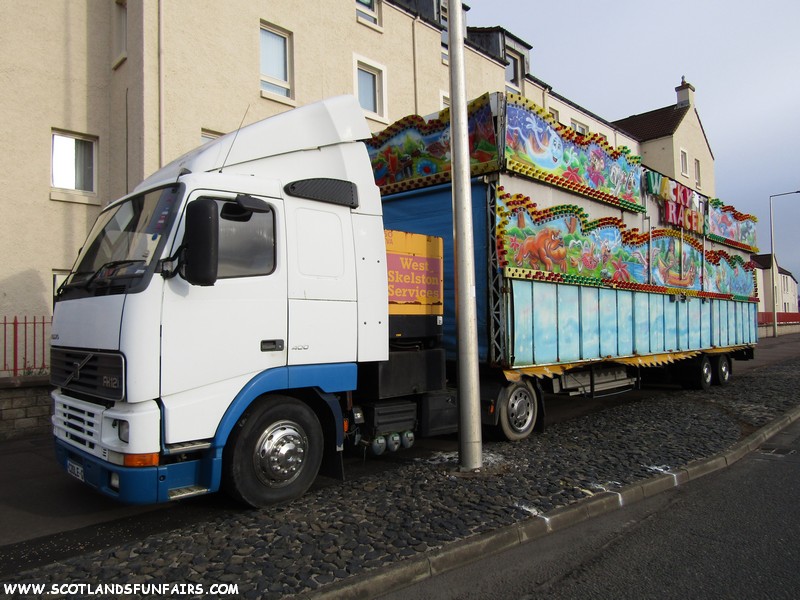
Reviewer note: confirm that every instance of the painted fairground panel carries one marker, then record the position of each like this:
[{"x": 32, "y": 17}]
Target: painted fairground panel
[
  {"x": 678, "y": 205},
  {"x": 537, "y": 146},
  {"x": 562, "y": 244},
  {"x": 729, "y": 226},
  {"x": 414, "y": 153}
]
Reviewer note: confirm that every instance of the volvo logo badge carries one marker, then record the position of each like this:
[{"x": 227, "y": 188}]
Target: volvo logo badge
[{"x": 76, "y": 371}]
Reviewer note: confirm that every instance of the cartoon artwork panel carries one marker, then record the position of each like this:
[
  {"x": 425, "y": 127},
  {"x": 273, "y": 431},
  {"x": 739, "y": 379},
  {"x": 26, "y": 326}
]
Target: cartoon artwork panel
[
  {"x": 676, "y": 263},
  {"x": 414, "y": 153},
  {"x": 536, "y": 145},
  {"x": 561, "y": 244},
  {"x": 728, "y": 275},
  {"x": 684, "y": 208},
  {"x": 727, "y": 225}
]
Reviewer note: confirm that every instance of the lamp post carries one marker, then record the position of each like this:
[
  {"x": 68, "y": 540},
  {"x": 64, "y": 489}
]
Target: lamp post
[{"x": 773, "y": 266}]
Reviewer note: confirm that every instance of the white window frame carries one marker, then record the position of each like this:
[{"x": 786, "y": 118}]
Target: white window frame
[
  {"x": 371, "y": 17},
  {"x": 444, "y": 99},
  {"x": 579, "y": 127},
  {"x": 378, "y": 70},
  {"x": 684, "y": 158},
  {"x": 697, "y": 177},
  {"x": 66, "y": 192},
  {"x": 554, "y": 113},
  {"x": 288, "y": 84}
]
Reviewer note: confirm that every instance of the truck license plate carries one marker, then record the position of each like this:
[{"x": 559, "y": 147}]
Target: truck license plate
[{"x": 75, "y": 470}]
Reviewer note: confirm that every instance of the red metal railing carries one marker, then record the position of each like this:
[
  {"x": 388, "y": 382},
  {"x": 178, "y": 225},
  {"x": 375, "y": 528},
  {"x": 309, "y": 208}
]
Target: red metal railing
[
  {"x": 26, "y": 347},
  {"x": 765, "y": 318}
]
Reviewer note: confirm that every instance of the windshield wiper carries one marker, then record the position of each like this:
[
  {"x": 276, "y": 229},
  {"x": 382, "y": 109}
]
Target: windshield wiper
[{"x": 113, "y": 264}]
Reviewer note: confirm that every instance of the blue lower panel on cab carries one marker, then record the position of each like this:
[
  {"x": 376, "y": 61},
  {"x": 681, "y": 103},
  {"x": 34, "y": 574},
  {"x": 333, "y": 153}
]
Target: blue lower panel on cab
[{"x": 137, "y": 485}]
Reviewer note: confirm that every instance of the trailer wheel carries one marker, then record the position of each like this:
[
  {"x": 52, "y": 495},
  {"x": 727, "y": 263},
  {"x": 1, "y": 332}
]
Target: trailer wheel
[
  {"x": 721, "y": 369},
  {"x": 274, "y": 452},
  {"x": 518, "y": 409},
  {"x": 702, "y": 374}
]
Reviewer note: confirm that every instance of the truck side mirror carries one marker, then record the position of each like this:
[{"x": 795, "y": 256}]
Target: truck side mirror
[{"x": 201, "y": 242}]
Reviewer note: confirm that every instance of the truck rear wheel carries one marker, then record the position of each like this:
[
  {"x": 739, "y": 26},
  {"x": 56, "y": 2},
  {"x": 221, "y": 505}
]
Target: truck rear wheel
[
  {"x": 274, "y": 452},
  {"x": 721, "y": 366},
  {"x": 518, "y": 410}
]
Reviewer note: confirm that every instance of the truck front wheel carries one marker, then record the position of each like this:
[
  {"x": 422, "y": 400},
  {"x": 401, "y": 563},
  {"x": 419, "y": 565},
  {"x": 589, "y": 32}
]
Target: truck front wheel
[
  {"x": 518, "y": 409},
  {"x": 274, "y": 452}
]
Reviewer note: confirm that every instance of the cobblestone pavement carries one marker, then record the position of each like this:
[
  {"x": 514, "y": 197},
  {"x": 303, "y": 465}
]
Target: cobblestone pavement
[{"x": 340, "y": 531}]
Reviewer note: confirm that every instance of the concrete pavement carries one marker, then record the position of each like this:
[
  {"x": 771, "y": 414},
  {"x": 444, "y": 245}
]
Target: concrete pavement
[{"x": 770, "y": 351}]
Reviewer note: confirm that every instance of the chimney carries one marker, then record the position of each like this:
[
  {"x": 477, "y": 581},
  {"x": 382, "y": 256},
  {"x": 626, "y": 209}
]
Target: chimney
[{"x": 685, "y": 93}]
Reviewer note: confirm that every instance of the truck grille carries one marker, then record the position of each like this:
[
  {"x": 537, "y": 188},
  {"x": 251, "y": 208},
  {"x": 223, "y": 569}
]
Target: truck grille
[
  {"x": 96, "y": 374},
  {"x": 79, "y": 424}
]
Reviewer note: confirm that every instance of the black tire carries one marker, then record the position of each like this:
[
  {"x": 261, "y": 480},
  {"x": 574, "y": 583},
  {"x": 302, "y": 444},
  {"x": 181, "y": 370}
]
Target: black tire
[
  {"x": 274, "y": 452},
  {"x": 518, "y": 410},
  {"x": 702, "y": 374},
  {"x": 721, "y": 366}
]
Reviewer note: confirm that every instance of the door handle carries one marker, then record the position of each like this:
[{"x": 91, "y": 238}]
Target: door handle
[{"x": 272, "y": 345}]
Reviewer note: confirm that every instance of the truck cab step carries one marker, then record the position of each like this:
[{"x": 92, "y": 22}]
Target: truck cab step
[{"x": 187, "y": 492}]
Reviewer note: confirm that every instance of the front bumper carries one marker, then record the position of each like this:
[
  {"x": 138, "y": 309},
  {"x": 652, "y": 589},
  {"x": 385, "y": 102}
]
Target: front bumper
[{"x": 141, "y": 485}]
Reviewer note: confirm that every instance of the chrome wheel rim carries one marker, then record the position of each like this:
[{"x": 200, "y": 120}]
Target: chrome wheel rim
[
  {"x": 520, "y": 410},
  {"x": 706, "y": 373},
  {"x": 724, "y": 370},
  {"x": 279, "y": 453}
]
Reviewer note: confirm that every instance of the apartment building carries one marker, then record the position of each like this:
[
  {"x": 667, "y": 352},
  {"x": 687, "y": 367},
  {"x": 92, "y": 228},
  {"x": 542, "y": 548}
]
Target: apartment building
[
  {"x": 673, "y": 141},
  {"x": 785, "y": 291},
  {"x": 98, "y": 94}
]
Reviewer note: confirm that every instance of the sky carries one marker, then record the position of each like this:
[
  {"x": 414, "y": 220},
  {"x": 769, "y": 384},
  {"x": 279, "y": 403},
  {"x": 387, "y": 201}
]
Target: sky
[{"x": 626, "y": 57}]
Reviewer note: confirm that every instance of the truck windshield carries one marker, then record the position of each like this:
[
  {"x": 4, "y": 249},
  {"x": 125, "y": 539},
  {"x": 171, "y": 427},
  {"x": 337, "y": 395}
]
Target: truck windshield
[{"x": 125, "y": 240}]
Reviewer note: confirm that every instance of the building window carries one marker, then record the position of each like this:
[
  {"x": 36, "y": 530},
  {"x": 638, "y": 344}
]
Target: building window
[
  {"x": 368, "y": 11},
  {"x": 443, "y": 21},
  {"x": 368, "y": 89},
  {"x": 554, "y": 114},
  {"x": 579, "y": 127},
  {"x": 684, "y": 163},
  {"x": 697, "y": 180},
  {"x": 73, "y": 162},
  {"x": 371, "y": 87},
  {"x": 276, "y": 61},
  {"x": 120, "y": 32},
  {"x": 513, "y": 71}
]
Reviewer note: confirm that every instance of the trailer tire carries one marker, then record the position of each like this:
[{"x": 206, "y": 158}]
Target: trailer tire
[
  {"x": 518, "y": 410},
  {"x": 702, "y": 374},
  {"x": 722, "y": 369},
  {"x": 274, "y": 453}
]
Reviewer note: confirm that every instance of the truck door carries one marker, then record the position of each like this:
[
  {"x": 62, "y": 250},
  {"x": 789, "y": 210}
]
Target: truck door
[{"x": 214, "y": 339}]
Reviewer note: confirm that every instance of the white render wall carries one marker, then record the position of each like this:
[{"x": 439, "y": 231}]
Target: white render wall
[{"x": 190, "y": 65}]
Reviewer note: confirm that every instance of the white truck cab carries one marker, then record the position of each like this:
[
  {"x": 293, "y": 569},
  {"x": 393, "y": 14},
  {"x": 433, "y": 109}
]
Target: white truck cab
[{"x": 250, "y": 267}]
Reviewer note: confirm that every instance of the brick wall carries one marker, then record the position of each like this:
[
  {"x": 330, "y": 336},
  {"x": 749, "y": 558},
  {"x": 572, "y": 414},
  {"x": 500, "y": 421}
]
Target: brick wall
[{"x": 25, "y": 407}]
